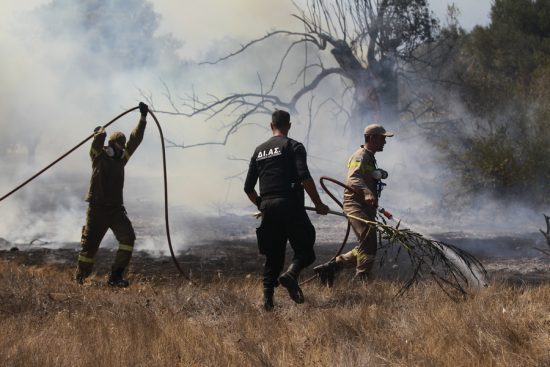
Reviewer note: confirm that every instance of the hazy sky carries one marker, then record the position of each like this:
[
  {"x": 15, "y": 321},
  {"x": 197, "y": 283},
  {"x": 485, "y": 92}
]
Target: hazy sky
[
  {"x": 199, "y": 23},
  {"x": 209, "y": 20},
  {"x": 56, "y": 86}
]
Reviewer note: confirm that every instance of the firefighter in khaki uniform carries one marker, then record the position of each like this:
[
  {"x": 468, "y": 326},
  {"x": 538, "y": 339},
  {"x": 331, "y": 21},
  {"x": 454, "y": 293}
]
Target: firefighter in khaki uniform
[
  {"x": 106, "y": 209},
  {"x": 363, "y": 177}
]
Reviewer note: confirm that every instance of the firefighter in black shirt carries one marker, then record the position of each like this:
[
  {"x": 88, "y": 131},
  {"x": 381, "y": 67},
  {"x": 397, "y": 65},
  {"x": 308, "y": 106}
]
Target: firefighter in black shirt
[{"x": 281, "y": 166}]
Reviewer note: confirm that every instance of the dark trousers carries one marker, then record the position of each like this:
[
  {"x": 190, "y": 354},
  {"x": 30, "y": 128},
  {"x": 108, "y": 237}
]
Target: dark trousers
[
  {"x": 281, "y": 223},
  {"x": 99, "y": 219}
]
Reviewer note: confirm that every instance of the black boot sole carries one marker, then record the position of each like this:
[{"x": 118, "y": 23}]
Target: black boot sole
[
  {"x": 118, "y": 284},
  {"x": 293, "y": 288}
]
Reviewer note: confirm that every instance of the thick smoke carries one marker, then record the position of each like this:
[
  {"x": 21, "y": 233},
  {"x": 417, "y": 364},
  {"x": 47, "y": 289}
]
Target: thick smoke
[
  {"x": 72, "y": 66},
  {"x": 75, "y": 65}
]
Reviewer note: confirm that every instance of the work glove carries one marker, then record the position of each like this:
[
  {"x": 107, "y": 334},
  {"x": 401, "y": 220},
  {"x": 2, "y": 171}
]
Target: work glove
[
  {"x": 143, "y": 109},
  {"x": 258, "y": 202},
  {"x": 371, "y": 200},
  {"x": 99, "y": 130},
  {"x": 379, "y": 174}
]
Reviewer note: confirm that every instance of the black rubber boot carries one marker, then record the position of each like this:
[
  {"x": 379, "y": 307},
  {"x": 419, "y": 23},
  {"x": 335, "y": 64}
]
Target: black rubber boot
[
  {"x": 327, "y": 272},
  {"x": 268, "y": 299},
  {"x": 81, "y": 275},
  {"x": 289, "y": 280},
  {"x": 116, "y": 279},
  {"x": 80, "y": 279},
  {"x": 362, "y": 278}
]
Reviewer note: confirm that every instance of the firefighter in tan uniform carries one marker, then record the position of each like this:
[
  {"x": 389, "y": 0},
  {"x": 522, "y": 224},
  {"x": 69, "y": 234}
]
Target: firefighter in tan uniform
[
  {"x": 106, "y": 208},
  {"x": 363, "y": 177}
]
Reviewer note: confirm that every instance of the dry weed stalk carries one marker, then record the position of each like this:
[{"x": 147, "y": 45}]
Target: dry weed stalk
[
  {"x": 47, "y": 320},
  {"x": 453, "y": 269}
]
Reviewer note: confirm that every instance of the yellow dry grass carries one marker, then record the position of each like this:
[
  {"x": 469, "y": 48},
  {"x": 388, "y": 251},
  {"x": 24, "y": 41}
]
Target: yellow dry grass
[{"x": 47, "y": 320}]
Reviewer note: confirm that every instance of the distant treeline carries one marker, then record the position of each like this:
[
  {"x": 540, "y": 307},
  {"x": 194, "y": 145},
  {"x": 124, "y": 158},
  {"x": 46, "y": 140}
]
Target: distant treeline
[{"x": 499, "y": 142}]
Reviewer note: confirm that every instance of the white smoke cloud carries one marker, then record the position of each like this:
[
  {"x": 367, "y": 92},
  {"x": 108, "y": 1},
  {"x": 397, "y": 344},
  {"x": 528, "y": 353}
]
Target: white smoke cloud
[
  {"x": 71, "y": 66},
  {"x": 74, "y": 65}
]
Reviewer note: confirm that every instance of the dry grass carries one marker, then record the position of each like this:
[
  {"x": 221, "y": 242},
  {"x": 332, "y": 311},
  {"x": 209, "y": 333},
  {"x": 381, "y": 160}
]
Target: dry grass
[{"x": 48, "y": 320}]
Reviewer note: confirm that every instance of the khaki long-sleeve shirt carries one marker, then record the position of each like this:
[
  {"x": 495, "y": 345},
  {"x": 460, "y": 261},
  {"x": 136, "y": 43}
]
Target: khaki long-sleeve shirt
[
  {"x": 107, "y": 182},
  {"x": 360, "y": 167}
]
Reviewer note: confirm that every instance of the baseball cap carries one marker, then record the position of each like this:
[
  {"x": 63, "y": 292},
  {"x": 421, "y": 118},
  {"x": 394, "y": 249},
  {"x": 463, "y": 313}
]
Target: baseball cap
[{"x": 375, "y": 129}]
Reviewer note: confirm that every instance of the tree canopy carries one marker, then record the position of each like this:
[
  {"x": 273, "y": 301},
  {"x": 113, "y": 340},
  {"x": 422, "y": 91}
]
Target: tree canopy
[{"x": 503, "y": 73}]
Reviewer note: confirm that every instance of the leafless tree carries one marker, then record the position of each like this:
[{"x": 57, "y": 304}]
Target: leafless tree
[
  {"x": 371, "y": 45},
  {"x": 547, "y": 233}
]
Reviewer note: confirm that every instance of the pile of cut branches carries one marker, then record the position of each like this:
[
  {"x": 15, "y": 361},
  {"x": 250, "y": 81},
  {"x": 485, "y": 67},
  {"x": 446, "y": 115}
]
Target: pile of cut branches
[{"x": 453, "y": 269}]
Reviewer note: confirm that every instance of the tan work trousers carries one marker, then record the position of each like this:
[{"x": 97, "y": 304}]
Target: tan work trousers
[{"x": 364, "y": 254}]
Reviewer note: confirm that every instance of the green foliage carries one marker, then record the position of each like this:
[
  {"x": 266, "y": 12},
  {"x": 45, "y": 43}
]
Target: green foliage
[
  {"x": 504, "y": 73},
  {"x": 405, "y": 24}
]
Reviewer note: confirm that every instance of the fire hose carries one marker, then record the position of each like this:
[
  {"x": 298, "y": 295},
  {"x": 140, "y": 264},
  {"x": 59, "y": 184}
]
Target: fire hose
[
  {"x": 166, "y": 216},
  {"x": 333, "y": 212},
  {"x": 461, "y": 265}
]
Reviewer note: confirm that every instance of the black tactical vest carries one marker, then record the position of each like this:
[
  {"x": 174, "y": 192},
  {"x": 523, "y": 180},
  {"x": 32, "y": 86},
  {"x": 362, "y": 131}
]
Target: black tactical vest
[{"x": 280, "y": 165}]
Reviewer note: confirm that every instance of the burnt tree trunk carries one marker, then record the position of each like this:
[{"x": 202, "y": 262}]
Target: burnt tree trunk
[{"x": 376, "y": 89}]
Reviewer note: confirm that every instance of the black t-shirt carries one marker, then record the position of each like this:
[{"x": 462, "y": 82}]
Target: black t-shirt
[{"x": 281, "y": 165}]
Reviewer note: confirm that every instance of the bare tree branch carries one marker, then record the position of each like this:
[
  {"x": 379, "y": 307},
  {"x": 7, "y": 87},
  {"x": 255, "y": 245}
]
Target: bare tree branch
[
  {"x": 372, "y": 42},
  {"x": 258, "y": 40}
]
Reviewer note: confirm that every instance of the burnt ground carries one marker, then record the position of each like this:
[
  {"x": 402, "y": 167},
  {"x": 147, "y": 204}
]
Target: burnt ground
[{"x": 516, "y": 261}]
